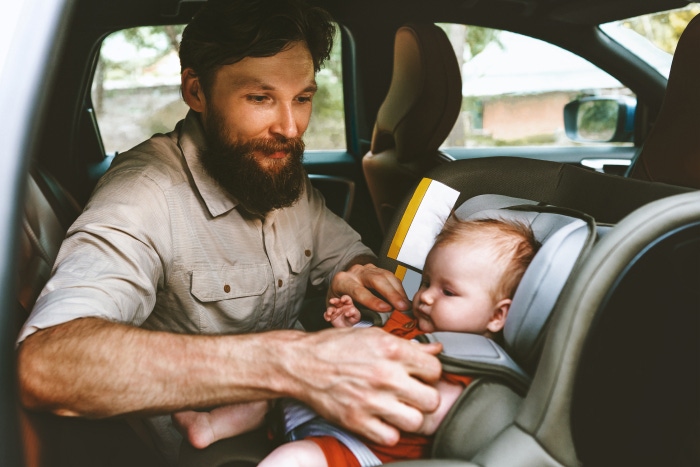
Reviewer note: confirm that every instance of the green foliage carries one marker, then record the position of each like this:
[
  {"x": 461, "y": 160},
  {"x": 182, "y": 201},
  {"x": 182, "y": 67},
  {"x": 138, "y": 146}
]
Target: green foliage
[
  {"x": 152, "y": 43},
  {"x": 327, "y": 127},
  {"x": 474, "y": 39},
  {"x": 664, "y": 29},
  {"x": 478, "y": 38}
]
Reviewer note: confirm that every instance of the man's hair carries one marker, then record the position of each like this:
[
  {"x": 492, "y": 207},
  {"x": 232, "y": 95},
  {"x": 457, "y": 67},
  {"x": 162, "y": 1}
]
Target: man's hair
[
  {"x": 512, "y": 243},
  {"x": 224, "y": 32}
]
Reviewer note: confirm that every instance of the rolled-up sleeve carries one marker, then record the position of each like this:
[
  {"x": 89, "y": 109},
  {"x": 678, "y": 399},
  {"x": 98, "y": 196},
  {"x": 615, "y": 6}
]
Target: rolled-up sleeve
[
  {"x": 336, "y": 242},
  {"x": 111, "y": 263}
]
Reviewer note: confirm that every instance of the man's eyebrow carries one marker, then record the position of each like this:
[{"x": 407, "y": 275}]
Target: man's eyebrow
[{"x": 254, "y": 83}]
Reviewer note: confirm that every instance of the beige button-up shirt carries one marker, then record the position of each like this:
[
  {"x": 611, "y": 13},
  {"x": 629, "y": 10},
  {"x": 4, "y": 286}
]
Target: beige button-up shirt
[{"x": 160, "y": 245}]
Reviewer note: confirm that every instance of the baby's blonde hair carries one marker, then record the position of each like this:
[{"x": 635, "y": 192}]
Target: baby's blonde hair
[{"x": 512, "y": 242}]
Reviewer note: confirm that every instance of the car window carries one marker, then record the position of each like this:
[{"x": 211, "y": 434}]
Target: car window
[
  {"x": 136, "y": 90},
  {"x": 653, "y": 37},
  {"x": 515, "y": 88}
]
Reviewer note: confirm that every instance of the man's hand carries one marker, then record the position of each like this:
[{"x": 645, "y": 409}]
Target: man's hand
[
  {"x": 360, "y": 279},
  {"x": 367, "y": 380}
]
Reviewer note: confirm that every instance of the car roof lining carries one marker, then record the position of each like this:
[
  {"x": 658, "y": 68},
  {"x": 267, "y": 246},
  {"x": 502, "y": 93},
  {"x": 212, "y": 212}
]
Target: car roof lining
[{"x": 130, "y": 13}]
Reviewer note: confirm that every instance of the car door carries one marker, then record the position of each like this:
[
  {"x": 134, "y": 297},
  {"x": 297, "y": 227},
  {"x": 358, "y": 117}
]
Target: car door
[{"x": 31, "y": 34}]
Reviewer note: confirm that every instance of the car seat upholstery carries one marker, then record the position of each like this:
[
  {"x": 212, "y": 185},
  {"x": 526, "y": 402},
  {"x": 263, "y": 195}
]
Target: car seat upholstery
[
  {"x": 671, "y": 151},
  {"x": 418, "y": 113},
  {"x": 639, "y": 301},
  {"x": 48, "y": 212}
]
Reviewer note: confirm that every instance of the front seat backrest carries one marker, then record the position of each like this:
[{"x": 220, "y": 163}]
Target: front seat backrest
[
  {"x": 48, "y": 212},
  {"x": 671, "y": 152},
  {"x": 419, "y": 111}
]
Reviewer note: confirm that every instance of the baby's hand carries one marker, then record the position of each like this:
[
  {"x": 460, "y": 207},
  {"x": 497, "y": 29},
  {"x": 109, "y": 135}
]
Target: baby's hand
[{"x": 341, "y": 312}]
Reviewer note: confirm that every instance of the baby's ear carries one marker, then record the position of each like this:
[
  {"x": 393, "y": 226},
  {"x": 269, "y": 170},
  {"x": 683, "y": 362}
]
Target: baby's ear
[{"x": 500, "y": 313}]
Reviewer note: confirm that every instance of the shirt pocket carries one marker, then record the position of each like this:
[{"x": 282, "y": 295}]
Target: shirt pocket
[
  {"x": 230, "y": 282},
  {"x": 299, "y": 260}
]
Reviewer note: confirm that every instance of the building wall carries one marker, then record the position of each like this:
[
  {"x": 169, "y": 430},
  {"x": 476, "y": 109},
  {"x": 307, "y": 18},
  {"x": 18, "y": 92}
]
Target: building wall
[{"x": 509, "y": 118}]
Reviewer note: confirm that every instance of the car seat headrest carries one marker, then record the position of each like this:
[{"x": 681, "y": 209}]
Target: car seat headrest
[{"x": 424, "y": 96}]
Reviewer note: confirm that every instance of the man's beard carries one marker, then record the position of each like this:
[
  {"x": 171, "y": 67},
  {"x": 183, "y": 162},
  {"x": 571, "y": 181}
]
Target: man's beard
[{"x": 234, "y": 166}]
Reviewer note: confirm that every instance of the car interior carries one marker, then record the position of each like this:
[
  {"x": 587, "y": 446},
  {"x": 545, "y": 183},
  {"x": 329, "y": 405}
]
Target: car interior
[{"x": 600, "y": 363}]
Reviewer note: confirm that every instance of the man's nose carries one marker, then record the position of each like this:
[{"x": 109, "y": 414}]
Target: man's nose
[{"x": 285, "y": 122}]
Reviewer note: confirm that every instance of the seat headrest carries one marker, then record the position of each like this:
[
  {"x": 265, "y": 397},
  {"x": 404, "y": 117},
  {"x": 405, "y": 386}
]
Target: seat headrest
[
  {"x": 424, "y": 96},
  {"x": 677, "y": 122}
]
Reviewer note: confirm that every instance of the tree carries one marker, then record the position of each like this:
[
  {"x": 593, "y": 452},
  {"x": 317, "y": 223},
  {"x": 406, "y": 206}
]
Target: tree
[
  {"x": 468, "y": 42},
  {"x": 664, "y": 29},
  {"x": 152, "y": 43}
]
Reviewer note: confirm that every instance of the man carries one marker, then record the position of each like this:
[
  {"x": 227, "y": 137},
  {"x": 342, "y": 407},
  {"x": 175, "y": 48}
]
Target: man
[{"x": 196, "y": 241}]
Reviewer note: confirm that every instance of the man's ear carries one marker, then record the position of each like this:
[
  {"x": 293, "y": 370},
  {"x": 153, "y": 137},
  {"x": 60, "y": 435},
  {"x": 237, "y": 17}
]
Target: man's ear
[
  {"x": 192, "y": 90},
  {"x": 500, "y": 313}
]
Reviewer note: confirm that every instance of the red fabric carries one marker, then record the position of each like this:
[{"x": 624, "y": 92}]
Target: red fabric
[
  {"x": 410, "y": 446},
  {"x": 402, "y": 325}
]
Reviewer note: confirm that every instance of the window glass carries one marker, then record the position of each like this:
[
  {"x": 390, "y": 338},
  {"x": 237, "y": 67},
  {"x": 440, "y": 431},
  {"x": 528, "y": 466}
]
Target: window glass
[
  {"x": 653, "y": 37},
  {"x": 136, "y": 90},
  {"x": 514, "y": 88}
]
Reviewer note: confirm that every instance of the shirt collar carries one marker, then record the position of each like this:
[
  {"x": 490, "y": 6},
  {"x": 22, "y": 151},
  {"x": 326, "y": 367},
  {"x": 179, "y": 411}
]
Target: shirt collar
[{"x": 192, "y": 141}]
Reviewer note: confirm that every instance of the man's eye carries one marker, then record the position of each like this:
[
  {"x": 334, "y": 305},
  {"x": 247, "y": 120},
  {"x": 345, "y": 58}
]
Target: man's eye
[
  {"x": 304, "y": 99},
  {"x": 257, "y": 99}
]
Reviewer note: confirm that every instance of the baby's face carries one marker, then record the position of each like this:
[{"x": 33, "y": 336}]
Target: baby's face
[{"x": 455, "y": 292}]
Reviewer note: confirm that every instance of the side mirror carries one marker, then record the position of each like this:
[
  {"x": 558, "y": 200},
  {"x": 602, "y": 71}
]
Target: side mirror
[{"x": 600, "y": 119}]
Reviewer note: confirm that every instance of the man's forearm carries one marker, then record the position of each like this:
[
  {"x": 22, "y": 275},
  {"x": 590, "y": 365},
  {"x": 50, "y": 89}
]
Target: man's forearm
[
  {"x": 94, "y": 368},
  {"x": 365, "y": 379}
]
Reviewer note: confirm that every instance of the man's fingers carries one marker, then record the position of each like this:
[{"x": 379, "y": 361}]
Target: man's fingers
[
  {"x": 360, "y": 279},
  {"x": 389, "y": 287},
  {"x": 378, "y": 431},
  {"x": 432, "y": 348},
  {"x": 371, "y": 301},
  {"x": 401, "y": 416}
]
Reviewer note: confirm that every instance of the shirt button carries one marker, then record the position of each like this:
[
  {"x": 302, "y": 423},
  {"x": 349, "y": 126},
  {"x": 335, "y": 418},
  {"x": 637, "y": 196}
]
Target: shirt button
[
  {"x": 307, "y": 253},
  {"x": 279, "y": 283},
  {"x": 227, "y": 288}
]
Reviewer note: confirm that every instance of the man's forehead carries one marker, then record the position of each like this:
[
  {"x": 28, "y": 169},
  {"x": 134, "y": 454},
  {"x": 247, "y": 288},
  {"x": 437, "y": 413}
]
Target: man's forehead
[{"x": 293, "y": 65}]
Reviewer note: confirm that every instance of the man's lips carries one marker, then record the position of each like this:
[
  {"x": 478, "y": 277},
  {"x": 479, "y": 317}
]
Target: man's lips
[{"x": 277, "y": 155}]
